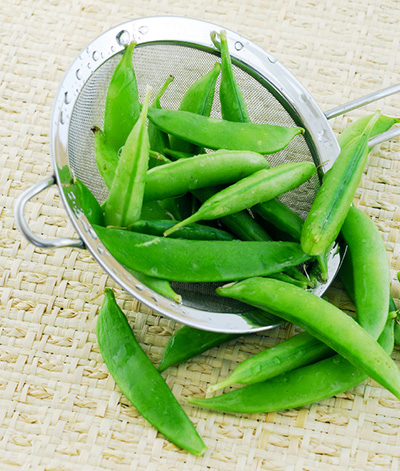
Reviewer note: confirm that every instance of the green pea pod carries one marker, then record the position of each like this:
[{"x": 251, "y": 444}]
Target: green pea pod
[
  {"x": 204, "y": 170},
  {"x": 158, "y": 285},
  {"x": 298, "y": 387},
  {"x": 198, "y": 261},
  {"x": 198, "y": 99},
  {"x": 191, "y": 232},
  {"x": 233, "y": 106},
  {"x": 140, "y": 381},
  {"x": 333, "y": 199},
  {"x": 371, "y": 272},
  {"x": 188, "y": 342},
  {"x": 300, "y": 350},
  {"x": 322, "y": 320},
  {"x": 216, "y": 133},
  {"x": 158, "y": 140},
  {"x": 106, "y": 156},
  {"x": 261, "y": 186},
  {"x": 280, "y": 216},
  {"x": 89, "y": 204},
  {"x": 122, "y": 107},
  {"x": 357, "y": 127},
  {"x": 124, "y": 202}
]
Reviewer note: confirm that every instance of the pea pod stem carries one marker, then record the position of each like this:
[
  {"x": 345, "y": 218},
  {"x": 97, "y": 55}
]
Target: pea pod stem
[
  {"x": 140, "y": 381},
  {"x": 261, "y": 186}
]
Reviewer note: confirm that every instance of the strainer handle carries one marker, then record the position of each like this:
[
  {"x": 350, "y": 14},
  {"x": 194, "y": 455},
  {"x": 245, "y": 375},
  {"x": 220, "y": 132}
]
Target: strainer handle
[{"x": 19, "y": 214}]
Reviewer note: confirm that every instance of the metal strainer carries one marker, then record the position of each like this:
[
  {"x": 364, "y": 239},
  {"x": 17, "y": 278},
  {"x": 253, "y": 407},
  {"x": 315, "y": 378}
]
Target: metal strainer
[{"x": 181, "y": 47}]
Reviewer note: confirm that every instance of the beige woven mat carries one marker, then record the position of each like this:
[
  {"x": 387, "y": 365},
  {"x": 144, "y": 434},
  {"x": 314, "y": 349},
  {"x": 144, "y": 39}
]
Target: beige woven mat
[{"x": 59, "y": 408}]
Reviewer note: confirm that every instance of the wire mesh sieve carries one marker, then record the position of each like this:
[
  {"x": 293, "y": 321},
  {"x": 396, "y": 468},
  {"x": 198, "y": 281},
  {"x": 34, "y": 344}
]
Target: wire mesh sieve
[{"x": 182, "y": 47}]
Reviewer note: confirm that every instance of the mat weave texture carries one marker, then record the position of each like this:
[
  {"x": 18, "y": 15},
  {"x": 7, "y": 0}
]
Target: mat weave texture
[{"x": 59, "y": 408}]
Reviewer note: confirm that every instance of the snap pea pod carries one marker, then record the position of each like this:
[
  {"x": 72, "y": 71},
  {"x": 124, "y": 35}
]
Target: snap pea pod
[
  {"x": 298, "y": 351},
  {"x": 216, "y": 133},
  {"x": 140, "y": 381},
  {"x": 204, "y": 170},
  {"x": 296, "y": 388},
  {"x": 280, "y": 216},
  {"x": 261, "y": 186},
  {"x": 188, "y": 342},
  {"x": 333, "y": 199},
  {"x": 198, "y": 261},
  {"x": 158, "y": 139},
  {"x": 122, "y": 107},
  {"x": 89, "y": 204},
  {"x": 233, "y": 106},
  {"x": 106, "y": 156},
  {"x": 322, "y": 320},
  {"x": 158, "y": 285},
  {"x": 246, "y": 228},
  {"x": 198, "y": 99},
  {"x": 371, "y": 272},
  {"x": 191, "y": 232},
  {"x": 370, "y": 276},
  {"x": 356, "y": 128},
  {"x": 124, "y": 203}
]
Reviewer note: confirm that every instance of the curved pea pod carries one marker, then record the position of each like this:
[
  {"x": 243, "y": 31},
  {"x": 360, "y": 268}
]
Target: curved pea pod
[
  {"x": 122, "y": 107},
  {"x": 124, "y": 203},
  {"x": 333, "y": 199},
  {"x": 89, "y": 204},
  {"x": 158, "y": 139},
  {"x": 198, "y": 99},
  {"x": 106, "y": 156},
  {"x": 188, "y": 342},
  {"x": 198, "y": 261},
  {"x": 216, "y": 133},
  {"x": 322, "y": 320},
  {"x": 191, "y": 232},
  {"x": 158, "y": 285},
  {"x": 281, "y": 217},
  {"x": 204, "y": 170},
  {"x": 384, "y": 123},
  {"x": 300, "y": 350},
  {"x": 140, "y": 381},
  {"x": 233, "y": 106},
  {"x": 298, "y": 387},
  {"x": 370, "y": 268},
  {"x": 261, "y": 186}
]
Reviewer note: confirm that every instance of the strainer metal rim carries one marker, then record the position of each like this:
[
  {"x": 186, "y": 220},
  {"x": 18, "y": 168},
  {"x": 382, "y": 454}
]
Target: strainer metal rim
[{"x": 184, "y": 31}]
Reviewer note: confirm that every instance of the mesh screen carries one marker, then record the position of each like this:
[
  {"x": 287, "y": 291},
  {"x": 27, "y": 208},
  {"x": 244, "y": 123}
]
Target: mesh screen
[{"x": 153, "y": 64}]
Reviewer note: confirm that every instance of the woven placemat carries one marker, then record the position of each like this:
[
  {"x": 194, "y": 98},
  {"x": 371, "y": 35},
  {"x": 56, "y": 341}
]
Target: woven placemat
[{"x": 59, "y": 408}]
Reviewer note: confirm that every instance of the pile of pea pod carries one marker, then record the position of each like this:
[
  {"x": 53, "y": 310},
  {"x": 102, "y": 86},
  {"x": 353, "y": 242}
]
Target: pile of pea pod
[{"x": 183, "y": 167}]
